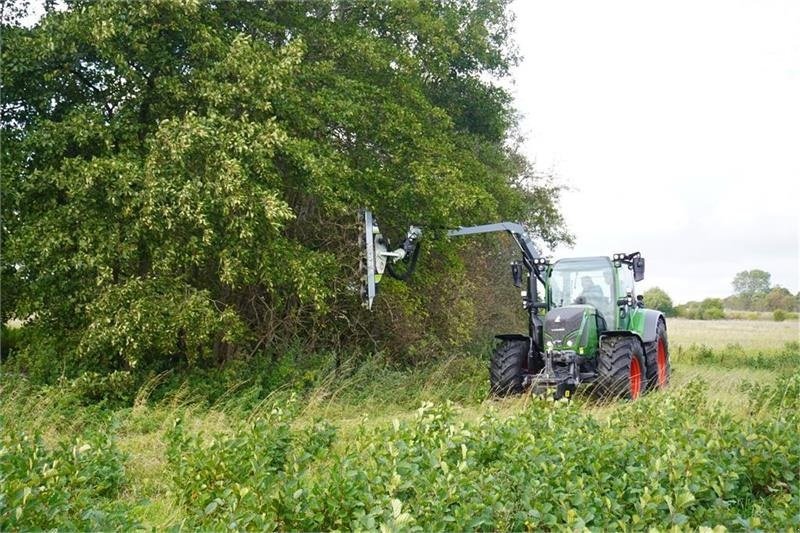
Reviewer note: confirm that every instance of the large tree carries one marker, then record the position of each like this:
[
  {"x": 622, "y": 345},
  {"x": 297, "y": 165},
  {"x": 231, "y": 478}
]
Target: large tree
[
  {"x": 750, "y": 286},
  {"x": 179, "y": 178},
  {"x": 751, "y": 282}
]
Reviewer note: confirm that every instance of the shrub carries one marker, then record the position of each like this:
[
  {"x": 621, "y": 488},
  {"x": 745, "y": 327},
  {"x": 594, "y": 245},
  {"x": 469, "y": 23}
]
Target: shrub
[
  {"x": 779, "y": 315},
  {"x": 115, "y": 388},
  {"x": 713, "y": 313},
  {"x": 42, "y": 357},
  {"x": 708, "y": 309},
  {"x": 73, "y": 486},
  {"x": 553, "y": 466}
]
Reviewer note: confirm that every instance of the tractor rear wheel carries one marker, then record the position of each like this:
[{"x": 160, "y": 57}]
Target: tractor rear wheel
[
  {"x": 507, "y": 369},
  {"x": 620, "y": 368},
  {"x": 657, "y": 357}
]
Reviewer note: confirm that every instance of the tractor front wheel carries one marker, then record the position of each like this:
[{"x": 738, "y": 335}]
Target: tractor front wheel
[
  {"x": 620, "y": 368},
  {"x": 657, "y": 356},
  {"x": 507, "y": 369}
]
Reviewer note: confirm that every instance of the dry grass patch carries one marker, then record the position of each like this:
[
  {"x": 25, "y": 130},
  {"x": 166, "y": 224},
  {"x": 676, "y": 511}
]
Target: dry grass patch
[{"x": 749, "y": 334}]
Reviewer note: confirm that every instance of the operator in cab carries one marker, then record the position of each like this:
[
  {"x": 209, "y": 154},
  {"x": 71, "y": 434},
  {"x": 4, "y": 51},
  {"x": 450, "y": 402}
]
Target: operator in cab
[{"x": 591, "y": 292}]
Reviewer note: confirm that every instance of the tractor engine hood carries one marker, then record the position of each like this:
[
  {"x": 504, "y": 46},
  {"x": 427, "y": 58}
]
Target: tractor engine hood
[{"x": 562, "y": 325}]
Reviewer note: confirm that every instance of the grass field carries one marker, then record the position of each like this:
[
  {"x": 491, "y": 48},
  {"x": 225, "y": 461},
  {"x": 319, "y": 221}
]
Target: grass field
[
  {"x": 356, "y": 451},
  {"x": 749, "y": 334}
]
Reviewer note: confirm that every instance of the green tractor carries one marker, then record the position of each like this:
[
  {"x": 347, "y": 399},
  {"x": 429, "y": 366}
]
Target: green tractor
[{"x": 587, "y": 325}]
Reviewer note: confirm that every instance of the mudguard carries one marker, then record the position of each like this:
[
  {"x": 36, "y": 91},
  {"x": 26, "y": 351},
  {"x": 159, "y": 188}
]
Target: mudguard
[
  {"x": 620, "y": 333},
  {"x": 644, "y": 323},
  {"x": 512, "y": 337}
]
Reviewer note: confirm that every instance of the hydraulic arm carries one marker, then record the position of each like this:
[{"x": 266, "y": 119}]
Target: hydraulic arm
[{"x": 377, "y": 259}]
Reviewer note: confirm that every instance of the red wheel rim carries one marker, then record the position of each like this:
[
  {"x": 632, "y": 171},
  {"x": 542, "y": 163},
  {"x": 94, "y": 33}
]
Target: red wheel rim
[
  {"x": 636, "y": 378},
  {"x": 661, "y": 362}
]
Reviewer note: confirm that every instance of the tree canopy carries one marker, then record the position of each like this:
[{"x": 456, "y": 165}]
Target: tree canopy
[
  {"x": 751, "y": 282},
  {"x": 657, "y": 298},
  {"x": 180, "y": 178}
]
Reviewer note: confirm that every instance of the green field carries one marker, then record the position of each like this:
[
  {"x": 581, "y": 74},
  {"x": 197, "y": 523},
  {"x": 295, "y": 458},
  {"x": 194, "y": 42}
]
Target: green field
[{"x": 376, "y": 446}]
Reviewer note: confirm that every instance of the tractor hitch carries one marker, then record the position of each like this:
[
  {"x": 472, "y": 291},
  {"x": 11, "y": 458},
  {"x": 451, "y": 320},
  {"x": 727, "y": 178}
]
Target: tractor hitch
[{"x": 562, "y": 372}]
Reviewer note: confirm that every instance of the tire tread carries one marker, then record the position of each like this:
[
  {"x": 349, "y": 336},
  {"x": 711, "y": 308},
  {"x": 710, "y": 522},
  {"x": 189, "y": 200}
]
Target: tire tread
[
  {"x": 613, "y": 366},
  {"x": 651, "y": 356},
  {"x": 506, "y": 370}
]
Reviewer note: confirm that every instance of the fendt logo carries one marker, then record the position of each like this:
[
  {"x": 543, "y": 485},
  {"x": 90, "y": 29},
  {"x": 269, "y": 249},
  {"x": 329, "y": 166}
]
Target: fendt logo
[{"x": 558, "y": 318}]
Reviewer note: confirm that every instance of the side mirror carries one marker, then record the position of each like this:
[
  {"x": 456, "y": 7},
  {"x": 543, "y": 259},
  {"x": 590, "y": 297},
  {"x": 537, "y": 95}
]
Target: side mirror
[
  {"x": 516, "y": 274},
  {"x": 638, "y": 268},
  {"x": 640, "y": 301}
]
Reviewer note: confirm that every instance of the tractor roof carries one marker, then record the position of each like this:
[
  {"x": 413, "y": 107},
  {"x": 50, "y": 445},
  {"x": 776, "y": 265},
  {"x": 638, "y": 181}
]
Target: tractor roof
[{"x": 591, "y": 259}]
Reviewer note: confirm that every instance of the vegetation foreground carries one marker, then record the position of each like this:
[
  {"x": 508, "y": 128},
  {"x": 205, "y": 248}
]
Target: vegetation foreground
[{"x": 720, "y": 448}]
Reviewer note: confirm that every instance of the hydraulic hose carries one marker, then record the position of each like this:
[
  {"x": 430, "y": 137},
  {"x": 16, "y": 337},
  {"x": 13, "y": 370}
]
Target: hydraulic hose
[{"x": 412, "y": 265}]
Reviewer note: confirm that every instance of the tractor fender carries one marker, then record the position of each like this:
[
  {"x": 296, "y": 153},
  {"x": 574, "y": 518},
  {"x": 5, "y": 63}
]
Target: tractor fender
[
  {"x": 512, "y": 337},
  {"x": 645, "y": 323},
  {"x": 621, "y": 333},
  {"x": 505, "y": 337}
]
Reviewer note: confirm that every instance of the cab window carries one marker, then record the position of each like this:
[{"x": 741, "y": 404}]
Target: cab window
[
  {"x": 625, "y": 282},
  {"x": 587, "y": 281}
]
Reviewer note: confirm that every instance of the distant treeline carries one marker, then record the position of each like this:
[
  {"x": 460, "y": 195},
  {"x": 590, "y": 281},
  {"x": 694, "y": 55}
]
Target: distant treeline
[
  {"x": 753, "y": 299},
  {"x": 719, "y": 308}
]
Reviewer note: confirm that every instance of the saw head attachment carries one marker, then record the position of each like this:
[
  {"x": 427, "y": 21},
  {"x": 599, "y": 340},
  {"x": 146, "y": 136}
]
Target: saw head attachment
[
  {"x": 375, "y": 257},
  {"x": 366, "y": 263}
]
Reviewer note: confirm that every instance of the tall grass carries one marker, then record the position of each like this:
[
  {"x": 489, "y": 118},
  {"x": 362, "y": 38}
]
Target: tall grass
[
  {"x": 364, "y": 443},
  {"x": 733, "y": 355}
]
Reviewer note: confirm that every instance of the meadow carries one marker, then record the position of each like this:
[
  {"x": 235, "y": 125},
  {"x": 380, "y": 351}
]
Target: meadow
[
  {"x": 749, "y": 334},
  {"x": 371, "y": 445}
]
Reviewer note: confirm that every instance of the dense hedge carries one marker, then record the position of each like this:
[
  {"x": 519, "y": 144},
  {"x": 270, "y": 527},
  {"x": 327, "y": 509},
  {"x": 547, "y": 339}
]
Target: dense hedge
[{"x": 181, "y": 180}]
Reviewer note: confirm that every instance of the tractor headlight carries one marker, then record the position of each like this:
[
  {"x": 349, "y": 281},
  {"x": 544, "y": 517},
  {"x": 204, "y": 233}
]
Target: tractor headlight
[
  {"x": 549, "y": 345},
  {"x": 569, "y": 343}
]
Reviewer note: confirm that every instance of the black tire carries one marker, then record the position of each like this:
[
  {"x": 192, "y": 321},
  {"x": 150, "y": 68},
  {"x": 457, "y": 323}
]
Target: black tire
[
  {"x": 620, "y": 368},
  {"x": 507, "y": 368},
  {"x": 658, "y": 367}
]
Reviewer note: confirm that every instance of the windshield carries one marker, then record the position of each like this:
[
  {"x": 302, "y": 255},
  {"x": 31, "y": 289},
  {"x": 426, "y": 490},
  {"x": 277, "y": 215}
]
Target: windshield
[{"x": 587, "y": 281}]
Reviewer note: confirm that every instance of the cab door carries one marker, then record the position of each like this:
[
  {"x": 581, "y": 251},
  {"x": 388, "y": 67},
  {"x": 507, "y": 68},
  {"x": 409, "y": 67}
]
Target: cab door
[{"x": 625, "y": 286}]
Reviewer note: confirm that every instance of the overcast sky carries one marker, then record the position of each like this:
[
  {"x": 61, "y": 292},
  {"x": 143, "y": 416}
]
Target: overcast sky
[{"x": 677, "y": 125}]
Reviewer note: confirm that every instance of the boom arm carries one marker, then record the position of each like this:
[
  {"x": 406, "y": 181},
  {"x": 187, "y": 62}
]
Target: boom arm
[
  {"x": 531, "y": 257},
  {"x": 521, "y": 237}
]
